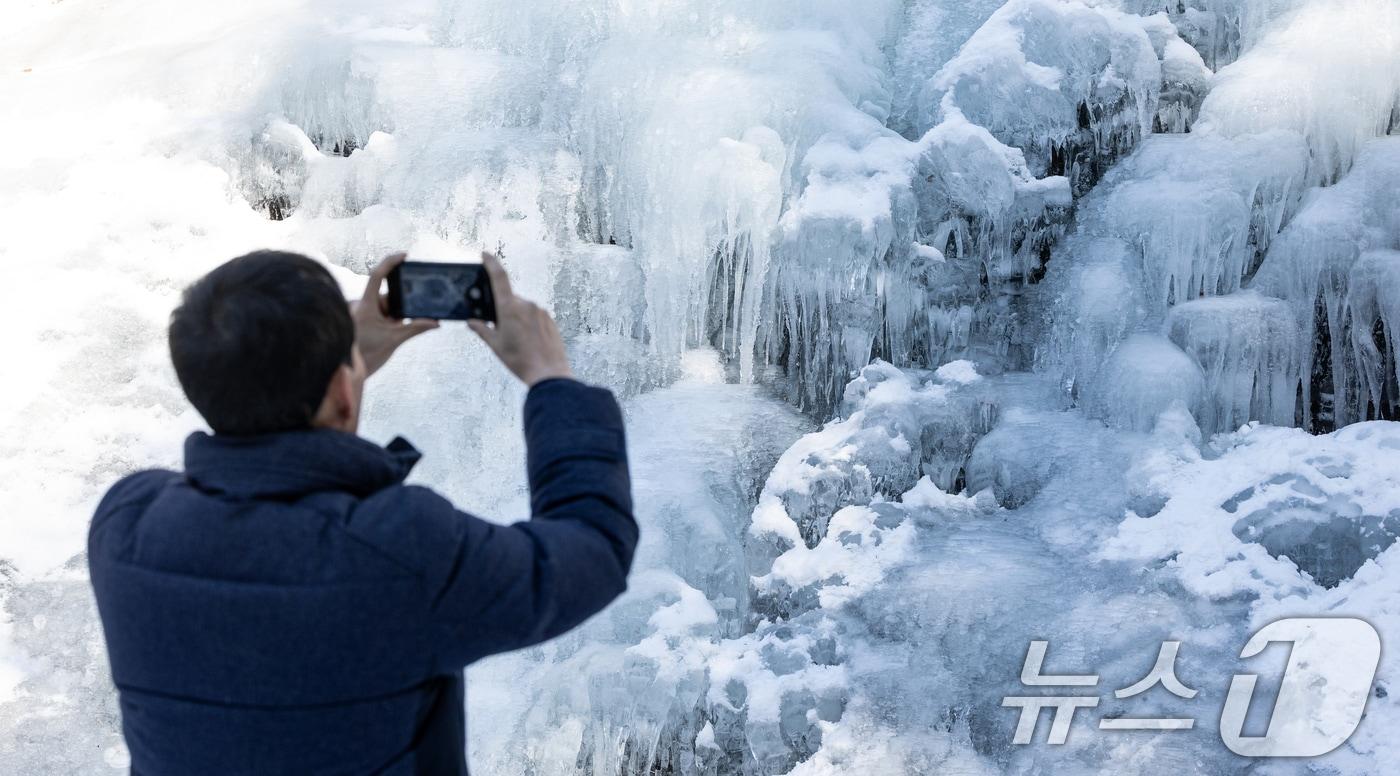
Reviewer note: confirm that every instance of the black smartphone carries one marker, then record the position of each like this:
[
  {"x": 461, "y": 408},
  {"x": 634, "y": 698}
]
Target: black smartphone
[{"x": 441, "y": 291}]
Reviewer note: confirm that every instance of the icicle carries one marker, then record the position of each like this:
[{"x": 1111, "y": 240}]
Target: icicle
[
  {"x": 1373, "y": 304},
  {"x": 1311, "y": 266},
  {"x": 1246, "y": 346},
  {"x": 1184, "y": 217},
  {"x": 1098, "y": 302}
]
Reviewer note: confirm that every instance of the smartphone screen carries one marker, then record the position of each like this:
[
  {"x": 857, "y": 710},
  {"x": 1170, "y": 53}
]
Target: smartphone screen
[{"x": 441, "y": 291}]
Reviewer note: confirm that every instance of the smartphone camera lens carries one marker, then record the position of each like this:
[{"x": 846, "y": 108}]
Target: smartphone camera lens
[{"x": 474, "y": 293}]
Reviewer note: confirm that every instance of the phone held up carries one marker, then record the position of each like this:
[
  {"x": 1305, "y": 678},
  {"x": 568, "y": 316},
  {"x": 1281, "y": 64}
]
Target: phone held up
[{"x": 441, "y": 291}]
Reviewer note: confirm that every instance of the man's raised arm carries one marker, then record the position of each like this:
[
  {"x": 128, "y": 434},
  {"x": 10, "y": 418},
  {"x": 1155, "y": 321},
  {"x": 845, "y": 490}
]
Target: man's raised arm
[
  {"x": 499, "y": 588},
  {"x": 513, "y": 586}
]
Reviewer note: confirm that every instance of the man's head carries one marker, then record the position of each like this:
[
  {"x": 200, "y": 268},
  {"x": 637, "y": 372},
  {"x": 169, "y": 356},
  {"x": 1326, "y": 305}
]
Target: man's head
[{"x": 266, "y": 343}]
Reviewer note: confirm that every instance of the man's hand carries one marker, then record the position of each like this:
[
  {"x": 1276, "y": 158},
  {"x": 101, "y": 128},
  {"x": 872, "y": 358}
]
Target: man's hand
[
  {"x": 376, "y": 334},
  {"x": 524, "y": 337}
]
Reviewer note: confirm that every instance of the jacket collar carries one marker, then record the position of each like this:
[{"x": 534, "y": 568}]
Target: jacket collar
[{"x": 295, "y": 463}]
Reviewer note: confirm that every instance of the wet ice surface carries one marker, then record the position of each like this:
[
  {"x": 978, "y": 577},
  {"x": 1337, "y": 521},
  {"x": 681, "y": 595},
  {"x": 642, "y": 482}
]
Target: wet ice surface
[{"x": 939, "y": 326}]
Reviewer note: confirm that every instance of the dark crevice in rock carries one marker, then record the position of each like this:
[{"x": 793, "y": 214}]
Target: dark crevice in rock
[
  {"x": 278, "y": 207},
  {"x": 337, "y": 146},
  {"x": 1320, "y": 412}
]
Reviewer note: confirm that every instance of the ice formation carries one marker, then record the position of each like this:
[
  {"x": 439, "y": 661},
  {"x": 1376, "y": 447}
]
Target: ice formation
[
  {"x": 1315, "y": 265},
  {"x": 941, "y": 326}
]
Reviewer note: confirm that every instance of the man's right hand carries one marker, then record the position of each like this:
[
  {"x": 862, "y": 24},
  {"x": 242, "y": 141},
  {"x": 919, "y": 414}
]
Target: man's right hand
[{"x": 524, "y": 336}]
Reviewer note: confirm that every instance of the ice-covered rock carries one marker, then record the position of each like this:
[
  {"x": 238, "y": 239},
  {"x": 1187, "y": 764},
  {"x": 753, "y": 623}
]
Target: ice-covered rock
[
  {"x": 979, "y": 200},
  {"x": 1031, "y": 451},
  {"x": 1184, "y": 218},
  {"x": 1071, "y": 85},
  {"x": 1313, "y": 264},
  {"x": 932, "y": 597},
  {"x": 918, "y": 252},
  {"x": 1220, "y": 30},
  {"x": 1185, "y": 77},
  {"x": 1204, "y": 210},
  {"x": 933, "y": 32},
  {"x": 898, "y": 426},
  {"x": 1144, "y": 377}
]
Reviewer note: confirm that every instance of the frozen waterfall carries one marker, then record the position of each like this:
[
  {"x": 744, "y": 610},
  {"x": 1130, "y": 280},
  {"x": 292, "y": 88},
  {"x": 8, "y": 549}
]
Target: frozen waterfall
[{"x": 941, "y": 326}]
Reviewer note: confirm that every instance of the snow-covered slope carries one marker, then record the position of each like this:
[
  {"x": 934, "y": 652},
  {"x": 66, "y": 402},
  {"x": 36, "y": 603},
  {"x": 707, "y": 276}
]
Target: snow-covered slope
[{"x": 941, "y": 325}]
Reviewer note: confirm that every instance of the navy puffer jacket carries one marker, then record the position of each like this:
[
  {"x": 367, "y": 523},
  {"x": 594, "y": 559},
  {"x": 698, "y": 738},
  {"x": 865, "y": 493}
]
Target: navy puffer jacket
[{"x": 287, "y": 605}]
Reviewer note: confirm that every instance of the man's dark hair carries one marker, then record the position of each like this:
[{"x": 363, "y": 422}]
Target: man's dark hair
[{"x": 256, "y": 342}]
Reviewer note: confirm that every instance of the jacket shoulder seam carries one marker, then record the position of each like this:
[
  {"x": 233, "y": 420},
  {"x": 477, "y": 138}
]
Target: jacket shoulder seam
[{"x": 375, "y": 547}]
